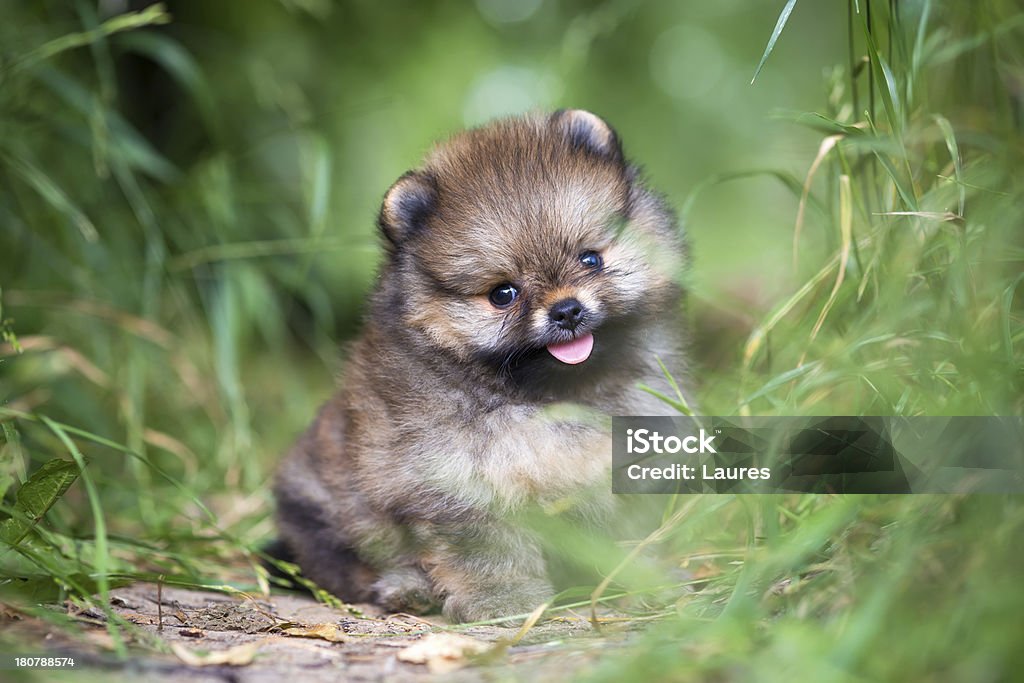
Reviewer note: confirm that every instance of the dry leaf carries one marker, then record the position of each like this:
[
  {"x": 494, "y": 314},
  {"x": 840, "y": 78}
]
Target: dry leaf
[
  {"x": 442, "y": 652},
  {"x": 118, "y": 601},
  {"x": 240, "y": 655},
  {"x": 328, "y": 632}
]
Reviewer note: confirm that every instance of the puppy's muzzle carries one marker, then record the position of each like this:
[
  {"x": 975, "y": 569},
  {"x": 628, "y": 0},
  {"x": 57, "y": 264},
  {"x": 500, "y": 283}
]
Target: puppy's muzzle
[{"x": 568, "y": 314}]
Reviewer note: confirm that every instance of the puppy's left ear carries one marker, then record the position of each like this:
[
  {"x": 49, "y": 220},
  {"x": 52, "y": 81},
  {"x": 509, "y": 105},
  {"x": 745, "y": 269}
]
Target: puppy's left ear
[
  {"x": 589, "y": 132},
  {"x": 407, "y": 206}
]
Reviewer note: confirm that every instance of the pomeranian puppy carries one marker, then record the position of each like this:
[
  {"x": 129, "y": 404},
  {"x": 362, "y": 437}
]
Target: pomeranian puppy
[{"x": 531, "y": 283}]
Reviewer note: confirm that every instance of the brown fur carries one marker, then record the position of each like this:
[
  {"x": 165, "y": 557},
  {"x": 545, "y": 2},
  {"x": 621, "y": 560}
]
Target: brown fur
[{"x": 453, "y": 421}]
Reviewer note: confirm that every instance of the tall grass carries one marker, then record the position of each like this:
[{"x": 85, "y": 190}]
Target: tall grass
[
  {"x": 132, "y": 275},
  {"x": 163, "y": 323},
  {"x": 908, "y": 236},
  {"x": 907, "y": 228}
]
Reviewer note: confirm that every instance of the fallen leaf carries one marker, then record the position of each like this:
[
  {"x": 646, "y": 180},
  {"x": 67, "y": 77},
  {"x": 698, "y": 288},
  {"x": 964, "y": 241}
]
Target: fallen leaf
[
  {"x": 442, "y": 652},
  {"x": 240, "y": 655},
  {"x": 141, "y": 619},
  {"x": 118, "y": 601},
  {"x": 328, "y": 632}
]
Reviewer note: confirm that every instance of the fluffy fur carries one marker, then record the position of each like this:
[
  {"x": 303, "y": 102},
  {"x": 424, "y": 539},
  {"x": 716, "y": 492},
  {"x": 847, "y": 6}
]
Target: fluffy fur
[{"x": 453, "y": 420}]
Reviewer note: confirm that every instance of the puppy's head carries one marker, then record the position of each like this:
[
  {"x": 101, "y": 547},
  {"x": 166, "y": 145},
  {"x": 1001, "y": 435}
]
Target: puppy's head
[{"x": 530, "y": 245}]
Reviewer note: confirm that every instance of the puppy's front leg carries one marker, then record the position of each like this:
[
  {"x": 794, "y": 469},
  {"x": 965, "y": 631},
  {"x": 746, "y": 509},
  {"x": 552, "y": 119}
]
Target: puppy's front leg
[{"x": 487, "y": 570}]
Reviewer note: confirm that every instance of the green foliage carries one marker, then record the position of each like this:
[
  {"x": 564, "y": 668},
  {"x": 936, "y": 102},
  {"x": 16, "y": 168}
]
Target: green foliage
[
  {"x": 176, "y": 274},
  {"x": 907, "y": 309},
  {"x": 920, "y": 239},
  {"x": 35, "y": 497}
]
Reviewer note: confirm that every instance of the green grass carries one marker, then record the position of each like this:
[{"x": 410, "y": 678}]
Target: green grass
[{"x": 168, "y": 325}]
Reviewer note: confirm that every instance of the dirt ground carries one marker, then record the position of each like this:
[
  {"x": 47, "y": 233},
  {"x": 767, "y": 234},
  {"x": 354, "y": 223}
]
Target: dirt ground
[{"x": 216, "y": 637}]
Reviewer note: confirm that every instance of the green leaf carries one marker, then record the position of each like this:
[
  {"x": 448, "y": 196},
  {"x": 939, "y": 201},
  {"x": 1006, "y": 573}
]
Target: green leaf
[
  {"x": 41, "y": 588},
  {"x": 884, "y": 74},
  {"x": 903, "y": 185},
  {"x": 779, "y": 25},
  {"x": 818, "y": 122},
  {"x": 36, "y": 496}
]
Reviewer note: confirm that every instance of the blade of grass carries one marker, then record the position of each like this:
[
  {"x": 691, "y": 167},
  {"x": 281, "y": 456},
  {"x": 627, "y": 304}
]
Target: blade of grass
[
  {"x": 124, "y": 140},
  {"x": 51, "y": 192},
  {"x": 826, "y": 145},
  {"x": 153, "y": 15},
  {"x": 677, "y": 405},
  {"x": 780, "y": 380},
  {"x": 675, "y": 387},
  {"x": 820, "y": 123},
  {"x": 102, "y": 559},
  {"x": 1005, "y": 314},
  {"x": 954, "y": 151},
  {"x": 846, "y": 235},
  {"x": 655, "y": 536},
  {"x": 255, "y": 249},
  {"x": 917, "y": 53},
  {"x": 21, "y": 415},
  {"x": 787, "y": 179},
  {"x": 756, "y": 339},
  {"x": 776, "y": 32}
]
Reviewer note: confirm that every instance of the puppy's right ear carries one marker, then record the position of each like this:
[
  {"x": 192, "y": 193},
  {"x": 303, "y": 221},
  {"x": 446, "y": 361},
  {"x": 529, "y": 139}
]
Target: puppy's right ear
[{"x": 407, "y": 206}]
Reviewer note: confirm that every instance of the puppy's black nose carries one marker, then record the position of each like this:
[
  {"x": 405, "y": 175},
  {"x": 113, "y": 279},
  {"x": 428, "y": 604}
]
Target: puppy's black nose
[{"x": 567, "y": 314}]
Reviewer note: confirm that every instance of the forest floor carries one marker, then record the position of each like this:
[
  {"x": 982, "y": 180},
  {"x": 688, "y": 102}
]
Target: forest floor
[{"x": 214, "y": 637}]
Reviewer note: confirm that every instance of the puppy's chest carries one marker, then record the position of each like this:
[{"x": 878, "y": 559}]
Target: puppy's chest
[{"x": 515, "y": 455}]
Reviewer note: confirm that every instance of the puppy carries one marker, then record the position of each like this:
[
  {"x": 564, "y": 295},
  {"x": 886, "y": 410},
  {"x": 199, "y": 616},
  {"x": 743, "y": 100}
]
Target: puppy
[{"x": 530, "y": 285}]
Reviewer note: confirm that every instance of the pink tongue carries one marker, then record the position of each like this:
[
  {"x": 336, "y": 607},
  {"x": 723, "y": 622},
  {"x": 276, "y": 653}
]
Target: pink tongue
[{"x": 576, "y": 351}]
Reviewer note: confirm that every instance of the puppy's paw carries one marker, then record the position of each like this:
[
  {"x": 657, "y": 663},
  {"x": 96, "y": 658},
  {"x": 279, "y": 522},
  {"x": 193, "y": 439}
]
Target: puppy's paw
[
  {"x": 497, "y": 601},
  {"x": 405, "y": 589}
]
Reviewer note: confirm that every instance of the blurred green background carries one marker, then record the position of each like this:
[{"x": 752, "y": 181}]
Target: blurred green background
[
  {"x": 272, "y": 120},
  {"x": 187, "y": 203},
  {"x": 219, "y": 177}
]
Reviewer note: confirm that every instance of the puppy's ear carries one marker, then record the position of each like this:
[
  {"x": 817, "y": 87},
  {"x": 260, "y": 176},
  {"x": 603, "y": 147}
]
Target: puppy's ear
[
  {"x": 407, "y": 206},
  {"x": 589, "y": 132}
]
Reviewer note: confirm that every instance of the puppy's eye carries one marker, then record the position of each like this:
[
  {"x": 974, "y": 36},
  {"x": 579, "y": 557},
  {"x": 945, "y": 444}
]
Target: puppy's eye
[
  {"x": 502, "y": 296},
  {"x": 591, "y": 260}
]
